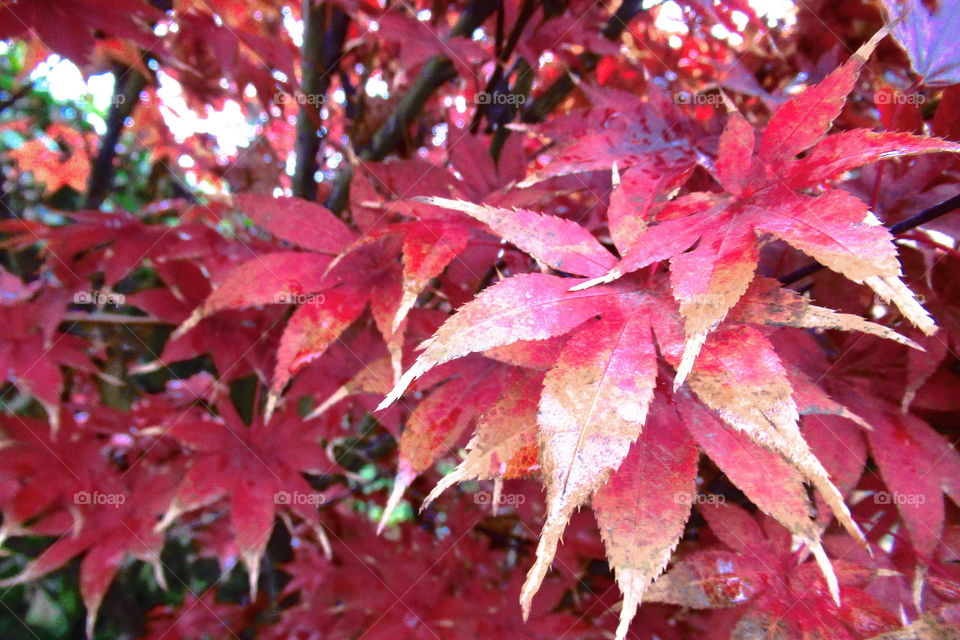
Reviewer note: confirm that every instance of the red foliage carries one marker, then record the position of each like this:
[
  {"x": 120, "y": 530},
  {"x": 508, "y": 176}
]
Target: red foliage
[{"x": 583, "y": 300}]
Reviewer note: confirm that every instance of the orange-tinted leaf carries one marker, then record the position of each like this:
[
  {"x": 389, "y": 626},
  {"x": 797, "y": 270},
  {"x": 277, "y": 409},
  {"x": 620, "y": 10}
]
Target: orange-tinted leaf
[
  {"x": 642, "y": 509},
  {"x": 558, "y": 243},
  {"x": 593, "y": 406},
  {"x": 312, "y": 328},
  {"x": 526, "y": 307},
  {"x": 504, "y": 444}
]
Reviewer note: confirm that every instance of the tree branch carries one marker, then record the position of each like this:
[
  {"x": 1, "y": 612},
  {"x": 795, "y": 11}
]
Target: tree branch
[
  {"x": 923, "y": 217},
  {"x": 433, "y": 75},
  {"x": 504, "y": 52},
  {"x": 537, "y": 110},
  {"x": 325, "y": 30},
  {"x": 126, "y": 94}
]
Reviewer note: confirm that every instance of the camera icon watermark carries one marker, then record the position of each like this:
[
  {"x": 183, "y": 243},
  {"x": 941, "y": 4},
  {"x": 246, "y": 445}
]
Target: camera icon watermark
[
  {"x": 98, "y": 297},
  {"x": 897, "y": 98},
  {"x": 91, "y": 498},
  {"x": 886, "y": 497},
  {"x": 497, "y": 98},
  {"x": 509, "y": 499},
  {"x": 289, "y": 297},
  {"x": 291, "y": 498}
]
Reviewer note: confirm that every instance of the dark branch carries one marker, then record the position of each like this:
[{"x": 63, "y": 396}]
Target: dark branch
[
  {"x": 16, "y": 95},
  {"x": 126, "y": 94},
  {"x": 923, "y": 217},
  {"x": 324, "y": 34},
  {"x": 537, "y": 110},
  {"x": 527, "y": 10},
  {"x": 434, "y": 74}
]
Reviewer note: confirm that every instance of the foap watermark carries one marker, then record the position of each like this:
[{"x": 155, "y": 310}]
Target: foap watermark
[
  {"x": 300, "y": 98},
  {"x": 895, "y": 98},
  {"x": 886, "y": 497},
  {"x": 508, "y": 499},
  {"x": 485, "y": 97},
  {"x": 97, "y": 497},
  {"x": 290, "y": 498},
  {"x": 98, "y": 297},
  {"x": 686, "y": 97},
  {"x": 704, "y": 298},
  {"x": 289, "y": 297},
  {"x": 698, "y": 498}
]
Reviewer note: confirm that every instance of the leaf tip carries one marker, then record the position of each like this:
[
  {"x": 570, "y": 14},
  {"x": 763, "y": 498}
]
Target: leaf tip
[
  {"x": 334, "y": 398},
  {"x": 189, "y": 323},
  {"x": 405, "y": 475},
  {"x": 820, "y": 555},
  {"x": 610, "y": 276},
  {"x": 273, "y": 397}
]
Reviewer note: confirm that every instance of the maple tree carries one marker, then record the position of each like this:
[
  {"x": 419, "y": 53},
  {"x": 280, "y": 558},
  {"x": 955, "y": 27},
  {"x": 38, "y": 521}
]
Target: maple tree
[{"x": 522, "y": 319}]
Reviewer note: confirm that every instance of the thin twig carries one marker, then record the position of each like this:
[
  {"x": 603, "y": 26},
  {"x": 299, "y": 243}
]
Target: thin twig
[
  {"x": 110, "y": 318},
  {"x": 16, "y": 95}
]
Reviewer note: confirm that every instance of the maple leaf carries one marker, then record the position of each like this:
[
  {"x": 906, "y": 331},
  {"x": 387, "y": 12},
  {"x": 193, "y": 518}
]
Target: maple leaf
[
  {"x": 32, "y": 352},
  {"x": 764, "y": 195},
  {"x": 931, "y": 626},
  {"x": 42, "y": 471},
  {"x": 71, "y": 29},
  {"x": 924, "y": 33},
  {"x": 225, "y": 452},
  {"x": 297, "y": 221},
  {"x": 59, "y": 159},
  {"x": 428, "y": 247},
  {"x": 620, "y": 129},
  {"x": 116, "y": 517},
  {"x": 239, "y": 342},
  {"x": 639, "y": 529},
  {"x": 917, "y": 465},
  {"x": 274, "y": 278},
  {"x": 450, "y": 588},
  {"x": 597, "y": 393},
  {"x": 439, "y": 419},
  {"x": 332, "y": 293},
  {"x": 198, "y": 616},
  {"x": 747, "y": 576},
  {"x": 504, "y": 444},
  {"x": 809, "y": 427},
  {"x": 558, "y": 243}
]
